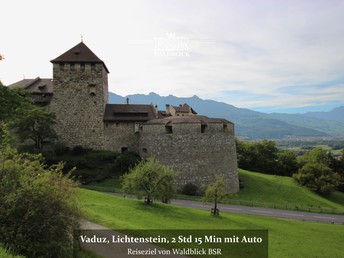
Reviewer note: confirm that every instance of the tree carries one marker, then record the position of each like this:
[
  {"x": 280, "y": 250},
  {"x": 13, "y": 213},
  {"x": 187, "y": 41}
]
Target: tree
[
  {"x": 151, "y": 179},
  {"x": 316, "y": 155},
  {"x": 317, "y": 177},
  {"x": 13, "y": 102},
  {"x": 215, "y": 192},
  {"x": 39, "y": 212},
  {"x": 286, "y": 163},
  {"x": 265, "y": 157},
  {"x": 27, "y": 120},
  {"x": 36, "y": 124}
]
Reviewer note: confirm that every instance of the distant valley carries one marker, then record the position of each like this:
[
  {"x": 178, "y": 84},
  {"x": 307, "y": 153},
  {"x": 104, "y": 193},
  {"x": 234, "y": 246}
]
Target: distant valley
[{"x": 252, "y": 124}]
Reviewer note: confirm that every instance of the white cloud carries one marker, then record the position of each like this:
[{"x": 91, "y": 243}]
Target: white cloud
[{"x": 260, "y": 49}]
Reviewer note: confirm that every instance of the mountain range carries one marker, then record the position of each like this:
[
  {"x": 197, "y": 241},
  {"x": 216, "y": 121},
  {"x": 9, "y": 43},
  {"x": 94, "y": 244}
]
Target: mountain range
[{"x": 251, "y": 124}]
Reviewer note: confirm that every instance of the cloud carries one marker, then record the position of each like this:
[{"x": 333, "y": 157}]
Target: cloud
[{"x": 251, "y": 54}]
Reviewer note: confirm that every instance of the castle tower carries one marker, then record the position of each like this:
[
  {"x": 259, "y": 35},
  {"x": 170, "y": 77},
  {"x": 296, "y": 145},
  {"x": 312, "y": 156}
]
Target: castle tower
[{"x": 80, "y": 95}]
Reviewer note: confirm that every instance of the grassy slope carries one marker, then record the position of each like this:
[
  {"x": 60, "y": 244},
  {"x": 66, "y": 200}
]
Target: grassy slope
[
  {"x": 287, "y": 238},
  {"x": 283, "y": 190},
  {"x": 264, "y": 189}
]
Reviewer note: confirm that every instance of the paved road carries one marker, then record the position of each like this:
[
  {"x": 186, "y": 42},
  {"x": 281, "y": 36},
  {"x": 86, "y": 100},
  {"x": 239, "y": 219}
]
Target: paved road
[
  {"x": 296, "y": 215},
  {"x": 287, "y": 214}
]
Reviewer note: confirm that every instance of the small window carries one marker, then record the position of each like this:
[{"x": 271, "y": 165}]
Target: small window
[
  {"x": 124, "y": 149},
  {"x": 93, "y": 67},
  {"x": 92, "y": 89},
  {"x": 62, "y": 66},
  {"x": 72, "y": 67},
  {"x": 144, "y": 150},
  {"x": 137, "y": 127},
  {"x": 117, "y": 124},
  {"x": 82, "y": 67},
  {"x": 168, "y": 129},
  {"x": 225, "y": 128},
  {"x": 203, "y": 128}
]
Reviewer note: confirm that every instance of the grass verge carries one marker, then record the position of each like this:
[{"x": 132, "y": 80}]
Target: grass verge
[{"x": 287, "y": 238}]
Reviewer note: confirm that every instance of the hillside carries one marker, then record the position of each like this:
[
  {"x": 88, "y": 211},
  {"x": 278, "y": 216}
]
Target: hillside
[
  {"x": 336, "y": 114},
  {"x": 284, "y": 192},
  {"x": 249, "y": 124},
  {"x": 332, "y": 126}
]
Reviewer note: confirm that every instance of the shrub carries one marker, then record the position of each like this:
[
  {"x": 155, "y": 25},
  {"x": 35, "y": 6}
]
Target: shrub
[
  {"x": 61, "y": 149},
  {"x": 78, "y": 150},
  {"x": 151, "y": 179},
  {"x": 38, "y": 212},
  {"x": 86, "y": 176},
  {"x": 124, "y": 162},
  {"x": 318, "y": 178},
  {"x": 191, "y": 189},
  {"x": 101, "y": 156}
]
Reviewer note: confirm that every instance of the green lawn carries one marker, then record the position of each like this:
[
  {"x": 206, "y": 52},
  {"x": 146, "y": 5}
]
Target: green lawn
[{"x": 287, "y": 238}]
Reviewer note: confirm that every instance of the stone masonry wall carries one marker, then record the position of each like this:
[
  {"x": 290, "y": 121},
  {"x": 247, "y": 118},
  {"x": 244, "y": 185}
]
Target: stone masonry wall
[
  {"x": 195, "y": 155},
  {"x": 79, "y": 100},
  {"x": 121, "y": 134}
]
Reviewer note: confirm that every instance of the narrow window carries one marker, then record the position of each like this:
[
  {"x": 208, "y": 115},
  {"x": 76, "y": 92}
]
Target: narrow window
[
  {"x": 225, "y": 128},
  {"x": 82, "y": 67},
  {"x": 61, "y": 66},
  {"x": 169, "y": 129},
  {"x": 92, "y": 89},
  {"x": 72, "y": 67},
  {"x": 93, "y": 67},
  {"x": 203, "y": 128}
]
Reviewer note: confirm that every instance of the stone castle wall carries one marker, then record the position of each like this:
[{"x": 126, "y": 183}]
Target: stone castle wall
[
  {"x": 79, "y": 100},
  {"x": 120, "y": 135},
  {"x": 197, "y": 156}
]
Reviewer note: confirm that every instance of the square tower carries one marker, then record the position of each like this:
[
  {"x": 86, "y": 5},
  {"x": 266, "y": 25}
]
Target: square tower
[{"x": 80, "y": 94}]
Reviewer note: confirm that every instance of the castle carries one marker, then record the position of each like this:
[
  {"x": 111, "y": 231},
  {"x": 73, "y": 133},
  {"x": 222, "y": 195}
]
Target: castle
[{"x": 196, "y": 146}]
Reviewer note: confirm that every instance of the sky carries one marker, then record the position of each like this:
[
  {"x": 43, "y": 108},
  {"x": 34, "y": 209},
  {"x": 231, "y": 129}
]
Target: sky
[{"x": 266, "y": 55}]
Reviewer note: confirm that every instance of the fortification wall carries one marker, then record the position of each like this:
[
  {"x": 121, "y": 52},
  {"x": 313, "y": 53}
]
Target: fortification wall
[
  {"x": 80, "y": 95},
  {"x": 120, "y": 135},
  {"x": 198, "y": 155}
]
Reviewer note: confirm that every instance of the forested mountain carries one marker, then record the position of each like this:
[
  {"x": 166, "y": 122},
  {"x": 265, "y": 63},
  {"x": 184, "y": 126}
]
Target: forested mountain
[{"x": 248, "y": 124}]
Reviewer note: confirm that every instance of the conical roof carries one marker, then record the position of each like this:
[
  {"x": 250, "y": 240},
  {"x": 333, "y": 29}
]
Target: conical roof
[{"x": 79, "y": 54}]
